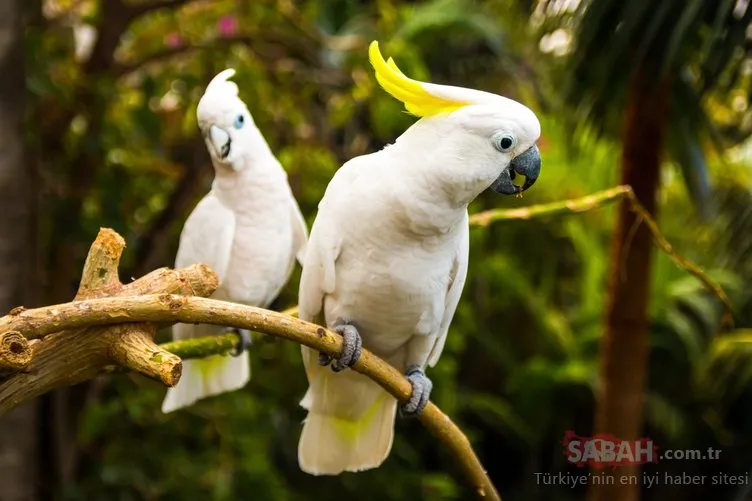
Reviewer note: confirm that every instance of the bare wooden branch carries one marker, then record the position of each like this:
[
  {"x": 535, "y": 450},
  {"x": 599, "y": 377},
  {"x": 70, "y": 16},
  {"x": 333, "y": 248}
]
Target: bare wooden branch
[
  {"x": 198, "y": 280},
  {"x": 15, "y": 353},
  {"x": 134, "y": 348},
  {"x": 174, "y": 308},
  {"x": 101, "y": 267},
  {"x": 110, "y": 323},
  {"x": 70, "y": 356},
  {"x": 186, "y": 349}
]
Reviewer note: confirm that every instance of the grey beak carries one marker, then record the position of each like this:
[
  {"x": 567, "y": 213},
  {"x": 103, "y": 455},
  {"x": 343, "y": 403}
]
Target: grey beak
[
  {"x": 221, "y": 141},
  {"x": 528, "y": 164}
]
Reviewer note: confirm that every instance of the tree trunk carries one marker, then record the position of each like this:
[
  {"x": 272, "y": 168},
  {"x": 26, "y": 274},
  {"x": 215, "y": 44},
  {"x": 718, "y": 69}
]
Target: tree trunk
[
  {"x": 19, "y": 454},
  {"x": 625, "y": 344}
]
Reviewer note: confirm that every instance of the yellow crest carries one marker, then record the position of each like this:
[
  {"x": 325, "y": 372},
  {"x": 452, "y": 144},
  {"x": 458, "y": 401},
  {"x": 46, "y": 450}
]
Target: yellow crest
[{"x": 416, "y": 98}]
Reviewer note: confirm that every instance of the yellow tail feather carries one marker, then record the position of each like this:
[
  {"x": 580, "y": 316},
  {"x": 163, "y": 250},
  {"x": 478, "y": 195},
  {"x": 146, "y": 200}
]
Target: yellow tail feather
[{"x": 330, "y": 445}]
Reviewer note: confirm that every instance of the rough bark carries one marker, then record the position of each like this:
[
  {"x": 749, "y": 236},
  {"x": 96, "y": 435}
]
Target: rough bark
[
  {"x": 100, "y": 283},
  {"x": 112, "y": 324},
  {"x": 82, "y": 351},
  {"x": 15, "y": 352},
  {"x": 78, "y": 316},
  {"x": 625, "y": 344},
  {"x": 68, "y": 357}
]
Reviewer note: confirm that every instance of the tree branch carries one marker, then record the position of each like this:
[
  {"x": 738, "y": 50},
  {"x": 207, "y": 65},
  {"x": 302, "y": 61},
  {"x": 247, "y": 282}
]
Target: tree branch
[
  {"x": 101, "y": 267},
  {"x": 15, "y": 352},
  {"x": 202, "y": 347},
  {"x": 135, "y": 348},
  {"x": 587, "y": 203},
  {"x": 171, "y": 308},
  {"x": 600, "y": 199},
  {"x": 87, "y": 346},
  {"x": 68, "y": 357}
]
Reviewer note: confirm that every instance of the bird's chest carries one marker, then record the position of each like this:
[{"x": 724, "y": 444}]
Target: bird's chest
[
  {"x": 390, "y": 295},
  {"x": 260, "y": 260}
]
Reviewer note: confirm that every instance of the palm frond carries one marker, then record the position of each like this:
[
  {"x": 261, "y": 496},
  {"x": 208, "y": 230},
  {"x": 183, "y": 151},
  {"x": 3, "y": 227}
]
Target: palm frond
[{"x": 699, "y": 46}]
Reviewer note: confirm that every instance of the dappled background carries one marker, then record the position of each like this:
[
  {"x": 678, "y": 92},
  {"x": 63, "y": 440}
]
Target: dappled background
[{"x": 621, "y": 88}]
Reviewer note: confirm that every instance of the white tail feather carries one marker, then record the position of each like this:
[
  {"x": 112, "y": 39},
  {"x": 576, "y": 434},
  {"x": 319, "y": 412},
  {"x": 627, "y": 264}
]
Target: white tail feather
[
  {"x": 207, "y": 377},
  {"x": 330, "y": 445}
]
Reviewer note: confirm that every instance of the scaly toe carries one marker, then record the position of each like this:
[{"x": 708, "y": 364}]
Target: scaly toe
[
  {"x": 245, "y": 341},
  {"x": 421, "y": 393},
  {"x": 324, "y": 359},
  {"x": 352, "y": 345}
]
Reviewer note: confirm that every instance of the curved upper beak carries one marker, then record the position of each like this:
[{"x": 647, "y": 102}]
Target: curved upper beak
[
  {"x": 221, "y": 141},
  {"x": 528, "y": 164}
]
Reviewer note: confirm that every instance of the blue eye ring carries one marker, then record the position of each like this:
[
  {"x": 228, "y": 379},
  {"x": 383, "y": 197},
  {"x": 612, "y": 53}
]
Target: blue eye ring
[{"x": 239, "y": 121}]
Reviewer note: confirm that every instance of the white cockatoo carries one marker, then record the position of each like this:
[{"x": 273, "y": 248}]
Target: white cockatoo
[
  {"x": 388, "y": 254},
  {"x": 248, "y": 229}
]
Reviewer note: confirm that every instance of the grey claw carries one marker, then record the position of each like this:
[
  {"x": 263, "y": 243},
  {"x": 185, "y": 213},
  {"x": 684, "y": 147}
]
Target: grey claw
[
  {"x": 422, "y": 387},
  {"x": 245, "y": 341},
  {"x": 352, "y": 345},
  {"x": 324, "y": 359}
]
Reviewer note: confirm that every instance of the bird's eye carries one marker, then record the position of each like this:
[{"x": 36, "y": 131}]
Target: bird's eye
[
  {"x": 239, "y": 121},
  {"x": 504, "y": 142}
]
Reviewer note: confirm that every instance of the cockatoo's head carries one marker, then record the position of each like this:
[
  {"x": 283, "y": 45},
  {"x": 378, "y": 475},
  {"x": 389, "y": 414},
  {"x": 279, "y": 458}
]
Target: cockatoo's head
[
  {"x": 225, "y": 122},
  {"x": 493, "y": 135}
]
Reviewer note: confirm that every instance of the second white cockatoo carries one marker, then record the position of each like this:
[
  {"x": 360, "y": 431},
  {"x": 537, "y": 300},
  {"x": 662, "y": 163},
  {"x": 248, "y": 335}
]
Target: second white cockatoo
[
  {"x": 388, "y": 256},
  {"x": 248, "y": 229}
]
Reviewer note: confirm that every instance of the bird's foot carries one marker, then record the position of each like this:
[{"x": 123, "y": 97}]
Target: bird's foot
[
  {"x": 352, "y": 345},
  {"x": 245, "y": 340},
  {"x": 422, "y": 387}
]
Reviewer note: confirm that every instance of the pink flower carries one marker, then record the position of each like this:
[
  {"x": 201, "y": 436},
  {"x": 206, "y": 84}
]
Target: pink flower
[
  {"x": 228, "y": 26},
  {"x": 173, "y": 40}
]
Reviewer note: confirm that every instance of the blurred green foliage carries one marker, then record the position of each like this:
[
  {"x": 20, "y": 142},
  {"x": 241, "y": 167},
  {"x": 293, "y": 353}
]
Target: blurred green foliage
[{"x": 117, "y": 145}]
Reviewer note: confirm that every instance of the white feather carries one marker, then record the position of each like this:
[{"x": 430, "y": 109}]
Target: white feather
[
  {"x": 363, "y": 264},
  {"x": 388, "y": 253},
  {"x": 458, "y": 276},
  {"x": 248, "y": 229},
  {"x": 221, "y": 83},
  {"x": 207, "y": 236}
]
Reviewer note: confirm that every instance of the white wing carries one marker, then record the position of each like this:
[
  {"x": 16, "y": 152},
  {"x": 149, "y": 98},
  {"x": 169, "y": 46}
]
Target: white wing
[
  {"x": 457, "y": 283},
  {"x": 207, "y": 236},
  {"x": 317, "y": 278},
  {"x": 323, "y": 245}
]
